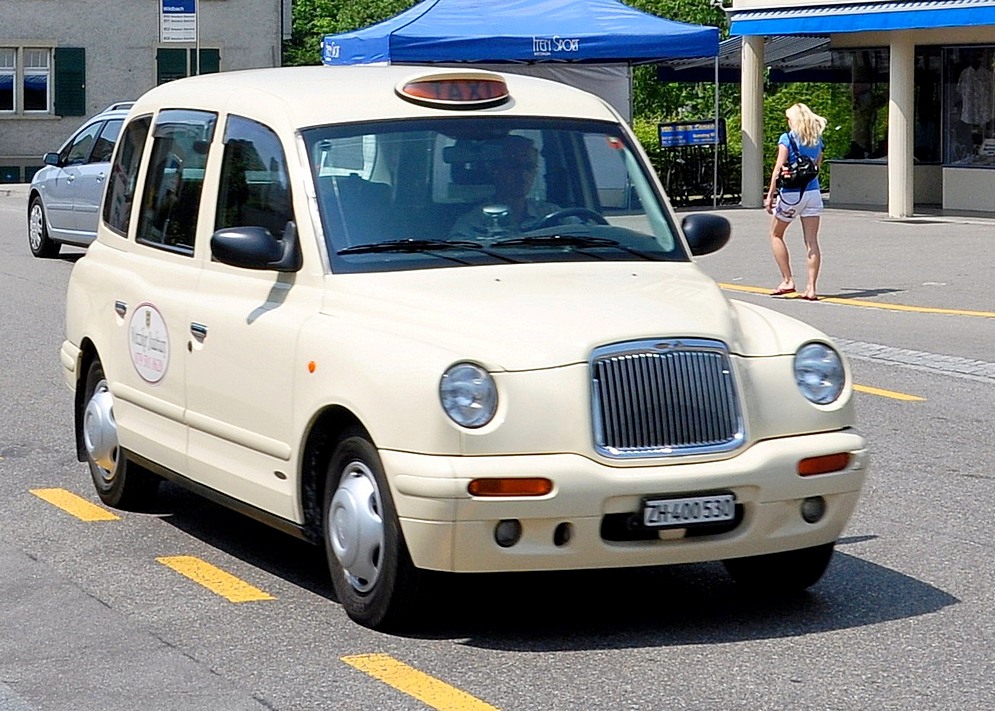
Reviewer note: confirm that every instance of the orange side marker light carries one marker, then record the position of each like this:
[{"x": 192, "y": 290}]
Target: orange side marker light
[{"x": 824, "y": 465}]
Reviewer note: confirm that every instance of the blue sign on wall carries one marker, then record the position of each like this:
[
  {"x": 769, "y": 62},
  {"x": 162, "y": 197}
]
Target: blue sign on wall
[
  {"x": 691, "y": 133},
  {"x": 178, "y": 21},
  {"x": 178, "y": 6}
]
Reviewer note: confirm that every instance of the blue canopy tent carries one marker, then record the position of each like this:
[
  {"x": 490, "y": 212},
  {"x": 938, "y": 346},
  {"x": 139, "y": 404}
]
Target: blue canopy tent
[
  {"x": 585, "y": 43},
  {"x": 521, "y": 31}
]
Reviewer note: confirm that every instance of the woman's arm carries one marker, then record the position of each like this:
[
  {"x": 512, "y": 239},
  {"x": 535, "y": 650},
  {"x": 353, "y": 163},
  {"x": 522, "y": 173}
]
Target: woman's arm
[{"x": 782, "y": 157}]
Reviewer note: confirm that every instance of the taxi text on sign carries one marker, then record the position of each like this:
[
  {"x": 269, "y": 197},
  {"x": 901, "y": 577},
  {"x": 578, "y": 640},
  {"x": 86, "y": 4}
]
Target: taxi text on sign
[{"x": 178, "y": 21}]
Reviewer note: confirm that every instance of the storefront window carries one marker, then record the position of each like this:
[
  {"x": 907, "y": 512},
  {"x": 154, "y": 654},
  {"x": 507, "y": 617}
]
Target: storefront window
[
  {"x": 928, "y": 114},
  {"x": 868, "y": 71},
  {"x": 970, "y": 106}
]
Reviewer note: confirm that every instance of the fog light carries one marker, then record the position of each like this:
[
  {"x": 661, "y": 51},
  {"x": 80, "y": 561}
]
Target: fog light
[
  {"x": 562, "y": 534},
  {"x": 813, "y": 509},
  {"x": 507, "y": 532}
]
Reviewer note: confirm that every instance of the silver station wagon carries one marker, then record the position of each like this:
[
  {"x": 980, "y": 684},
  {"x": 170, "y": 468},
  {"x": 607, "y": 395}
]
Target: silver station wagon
[
  {"x": 64, "y": 196},
  {"x": 443, "y": 320}
]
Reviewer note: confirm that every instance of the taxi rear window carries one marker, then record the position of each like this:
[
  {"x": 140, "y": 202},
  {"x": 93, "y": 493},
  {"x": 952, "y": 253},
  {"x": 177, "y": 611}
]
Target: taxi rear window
[{"x": 421, "y": 194}]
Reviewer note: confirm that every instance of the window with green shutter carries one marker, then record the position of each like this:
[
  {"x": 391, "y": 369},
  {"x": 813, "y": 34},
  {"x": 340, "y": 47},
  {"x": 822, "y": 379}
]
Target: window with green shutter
[
  {"x": 178, "y": 63},
  {"x": 70, "y": 81},
  {"x": 170, "y": 64}
]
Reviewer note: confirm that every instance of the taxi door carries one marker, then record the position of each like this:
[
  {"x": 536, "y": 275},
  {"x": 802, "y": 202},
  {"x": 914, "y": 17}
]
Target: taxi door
[
  {"x": 152, "y": 279},
  {"x": 245, "y": 325}
]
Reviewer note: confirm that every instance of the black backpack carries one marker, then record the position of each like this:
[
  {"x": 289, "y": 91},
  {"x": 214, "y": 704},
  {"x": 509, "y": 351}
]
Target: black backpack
[{"x": 797, "y": 173}]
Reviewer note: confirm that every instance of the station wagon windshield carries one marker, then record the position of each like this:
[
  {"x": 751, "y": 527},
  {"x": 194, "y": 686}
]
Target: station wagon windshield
[{"x": 420, "y": 194}]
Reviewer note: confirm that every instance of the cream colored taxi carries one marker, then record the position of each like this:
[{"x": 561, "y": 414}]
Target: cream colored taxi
[{"x": 443, "y": 320}]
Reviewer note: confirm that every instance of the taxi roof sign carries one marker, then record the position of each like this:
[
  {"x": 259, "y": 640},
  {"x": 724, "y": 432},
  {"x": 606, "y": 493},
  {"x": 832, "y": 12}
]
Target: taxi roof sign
[{"x": 455, "y": 90}]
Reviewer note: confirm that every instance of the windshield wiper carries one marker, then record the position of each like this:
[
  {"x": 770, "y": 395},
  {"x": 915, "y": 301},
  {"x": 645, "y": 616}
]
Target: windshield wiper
[
  {"x": 409, "y": 245},
  {"x": 573, "y": 241},
  {"x": 557, "y": 239},
  {"x": 424, "y": 245}
]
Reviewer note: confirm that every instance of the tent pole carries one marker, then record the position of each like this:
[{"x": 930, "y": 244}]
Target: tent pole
[{"x": 715, "y": 151}]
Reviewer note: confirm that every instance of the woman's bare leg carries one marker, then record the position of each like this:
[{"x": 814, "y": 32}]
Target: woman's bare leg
[
  {"x": 810, "y": 231},
  {"x": 780, "y": 250}
]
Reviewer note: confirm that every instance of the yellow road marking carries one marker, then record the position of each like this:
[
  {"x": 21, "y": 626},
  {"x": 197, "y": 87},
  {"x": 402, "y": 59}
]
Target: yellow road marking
[
  {"x": 214, "y": 579},
  {"x": 870, "y": 304},
  {"x": 888, "y": 393},
  {"x": 75, "y": 505},
  {"x": 425, "y": 688}
]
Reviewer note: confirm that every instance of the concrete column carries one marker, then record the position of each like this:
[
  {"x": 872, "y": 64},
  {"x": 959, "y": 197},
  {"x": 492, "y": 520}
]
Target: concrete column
[
  {"x": 901, "y": 123},
  {"x": 752, "y": 113}
]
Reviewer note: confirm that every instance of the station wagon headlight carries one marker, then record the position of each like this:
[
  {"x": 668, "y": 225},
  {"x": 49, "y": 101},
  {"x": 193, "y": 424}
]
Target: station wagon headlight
[
  {"x": 819, "y": 373},
  {"x": 468, "y": 395}
]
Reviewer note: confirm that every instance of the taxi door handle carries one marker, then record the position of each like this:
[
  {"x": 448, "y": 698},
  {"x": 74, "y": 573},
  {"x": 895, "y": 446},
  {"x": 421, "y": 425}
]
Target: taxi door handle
[
  {"x": 121, "y": 308},
  {"x": 199, "y": 331}
]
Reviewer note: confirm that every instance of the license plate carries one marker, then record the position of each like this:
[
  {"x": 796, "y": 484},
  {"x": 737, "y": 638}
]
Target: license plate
[{"x": 688, "y": 511}]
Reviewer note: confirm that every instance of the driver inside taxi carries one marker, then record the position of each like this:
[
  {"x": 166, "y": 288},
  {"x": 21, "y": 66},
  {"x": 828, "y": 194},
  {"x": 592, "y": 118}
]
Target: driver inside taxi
[{"x": 510, "y": 211}]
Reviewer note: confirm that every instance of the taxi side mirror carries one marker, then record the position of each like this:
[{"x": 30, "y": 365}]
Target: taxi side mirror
[
  {"x": 256, "y": 248},
  {"x": 706, "y": 233}
]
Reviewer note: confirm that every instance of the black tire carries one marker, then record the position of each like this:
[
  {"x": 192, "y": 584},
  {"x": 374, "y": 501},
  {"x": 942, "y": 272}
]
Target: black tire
[
  {"x": 786, "y": 572},
  {"x": 371, "y": 570},
  {"x": 39, "y": 242},
  {"x": 119, "y": 483}
]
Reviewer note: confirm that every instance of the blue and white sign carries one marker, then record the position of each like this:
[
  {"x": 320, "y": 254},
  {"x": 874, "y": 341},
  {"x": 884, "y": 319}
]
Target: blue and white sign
[
  {"x": 178, "y": 21},
  {"x": 691, "y": 133}
]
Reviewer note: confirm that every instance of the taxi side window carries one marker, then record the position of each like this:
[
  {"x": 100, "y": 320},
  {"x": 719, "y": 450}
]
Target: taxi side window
[
  {"x": 171, "y": 198},
  {"x": 255, "y": 188},
  {"x": 124, "y": 176}
]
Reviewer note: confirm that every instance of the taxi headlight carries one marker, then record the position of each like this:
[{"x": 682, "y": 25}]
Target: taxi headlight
[
  {"x": 468, "y": 395},
  {"x": 819, "y": 373}
]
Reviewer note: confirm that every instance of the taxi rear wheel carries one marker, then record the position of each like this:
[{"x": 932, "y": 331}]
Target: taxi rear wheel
[
  {"x": 119, "y": 483},
  {"x": 38, "y": 240},
  {"x": 371, "y": 570},
  {"x": 789, "y": 571}
]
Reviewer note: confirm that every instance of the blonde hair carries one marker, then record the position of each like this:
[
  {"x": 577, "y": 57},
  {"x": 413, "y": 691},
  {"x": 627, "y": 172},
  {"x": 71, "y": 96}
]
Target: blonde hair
[{"x": 806, "y": 124}]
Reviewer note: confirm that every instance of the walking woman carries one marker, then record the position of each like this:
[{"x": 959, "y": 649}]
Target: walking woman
[{"x": 804, "y": 135}]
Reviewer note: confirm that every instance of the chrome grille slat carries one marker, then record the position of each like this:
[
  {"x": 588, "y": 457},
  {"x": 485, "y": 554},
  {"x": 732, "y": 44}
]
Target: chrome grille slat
[{"x": 664, "y": 398}]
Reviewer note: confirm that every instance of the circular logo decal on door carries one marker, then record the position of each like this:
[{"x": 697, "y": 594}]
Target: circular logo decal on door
[{"x": 148, "y": 342}]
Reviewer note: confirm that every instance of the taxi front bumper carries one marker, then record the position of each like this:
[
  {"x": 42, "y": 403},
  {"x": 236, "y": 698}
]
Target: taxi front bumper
[{"x": 448, "y": 529}]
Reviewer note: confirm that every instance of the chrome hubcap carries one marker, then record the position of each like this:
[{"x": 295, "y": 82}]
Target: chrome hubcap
[
  {"x": 100, "y": 430},
  {"x": 35, "y": 222},
  {"x": 356, "y": 528}
]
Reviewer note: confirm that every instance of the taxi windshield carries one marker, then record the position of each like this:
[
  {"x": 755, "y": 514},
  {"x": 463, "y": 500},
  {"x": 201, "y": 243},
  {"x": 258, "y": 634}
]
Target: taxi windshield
[{"x": 419, "y": 194}]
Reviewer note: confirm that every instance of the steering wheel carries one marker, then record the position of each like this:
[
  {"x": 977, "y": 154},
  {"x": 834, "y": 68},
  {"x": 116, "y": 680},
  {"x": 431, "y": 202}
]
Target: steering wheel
[{"x": 557, "y": 217}]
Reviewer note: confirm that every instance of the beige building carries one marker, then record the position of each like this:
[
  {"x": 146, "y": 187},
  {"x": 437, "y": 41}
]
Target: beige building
[
  {"x": 62, "y": 60},
  {"x": 922, "y": 82}
]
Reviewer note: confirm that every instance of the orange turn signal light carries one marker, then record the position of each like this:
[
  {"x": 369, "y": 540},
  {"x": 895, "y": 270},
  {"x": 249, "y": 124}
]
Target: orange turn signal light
[
  {"x": 824, "y": 465},
  {"x": 510, "y": 487}
]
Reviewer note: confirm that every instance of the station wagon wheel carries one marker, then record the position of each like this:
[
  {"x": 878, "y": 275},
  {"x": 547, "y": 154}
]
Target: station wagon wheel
[
  {"x": 119, "y": 483},
  {"x": 38, "y": 240},
  {"x": 789, "y": 571},
  {"x": 368, "y": 560}
]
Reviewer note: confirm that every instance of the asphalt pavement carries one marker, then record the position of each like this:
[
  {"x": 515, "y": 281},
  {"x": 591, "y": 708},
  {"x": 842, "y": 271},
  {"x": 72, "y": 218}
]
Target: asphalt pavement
[{"x": 909, "y": 584}]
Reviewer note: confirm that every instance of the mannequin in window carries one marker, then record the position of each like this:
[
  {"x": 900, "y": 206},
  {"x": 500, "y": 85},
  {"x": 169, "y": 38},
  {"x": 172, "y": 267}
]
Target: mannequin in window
[{"x": 975, "y": 88}]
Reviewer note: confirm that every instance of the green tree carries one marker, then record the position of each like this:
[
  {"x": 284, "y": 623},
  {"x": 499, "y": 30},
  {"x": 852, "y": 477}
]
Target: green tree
[{"x": 313, "y": 19}]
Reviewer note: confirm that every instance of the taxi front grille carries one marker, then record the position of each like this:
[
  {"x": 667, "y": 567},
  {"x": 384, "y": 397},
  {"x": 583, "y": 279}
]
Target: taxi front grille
[{"x": 664, "y": 398}]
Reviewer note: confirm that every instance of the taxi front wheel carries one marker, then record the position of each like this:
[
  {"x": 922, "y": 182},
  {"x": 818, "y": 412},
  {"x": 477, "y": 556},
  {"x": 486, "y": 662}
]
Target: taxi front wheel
[
  {"x": 371, "y": 570},
  {"x": 119, "y": 483},
  {"x": 785, "y": 572}
]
